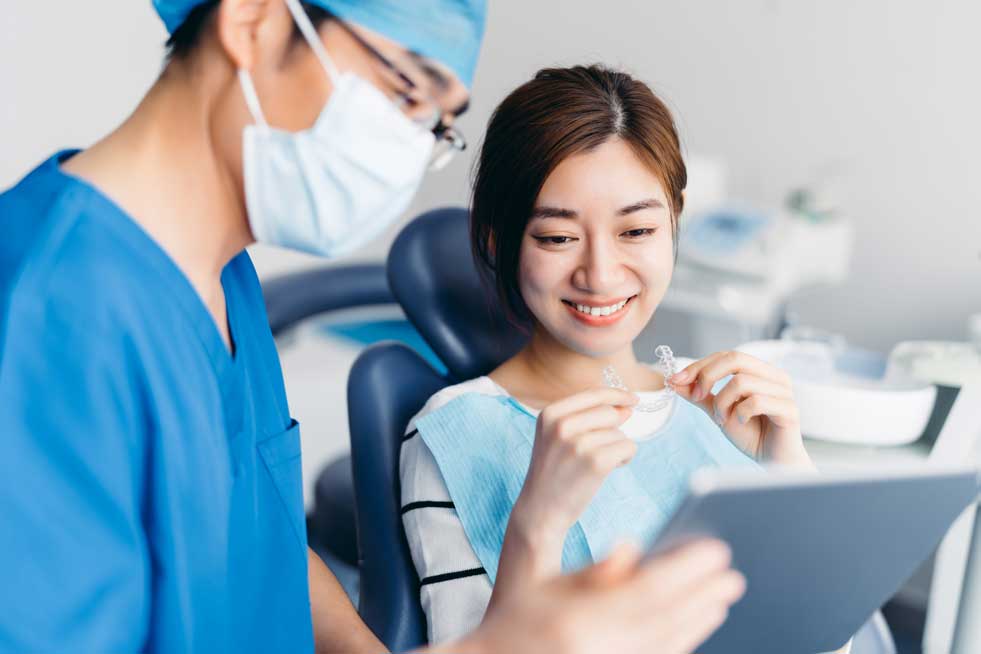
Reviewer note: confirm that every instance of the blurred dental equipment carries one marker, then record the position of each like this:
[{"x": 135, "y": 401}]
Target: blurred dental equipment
[
  {"x": 848, "y": 395},
  {"x": 948, "y": 363},
  {"x": 738, "y": 266},
  {"x": 974, "y": 330}
]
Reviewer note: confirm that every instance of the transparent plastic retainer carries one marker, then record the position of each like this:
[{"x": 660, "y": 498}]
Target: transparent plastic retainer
[{"x": 667, "y": 365}]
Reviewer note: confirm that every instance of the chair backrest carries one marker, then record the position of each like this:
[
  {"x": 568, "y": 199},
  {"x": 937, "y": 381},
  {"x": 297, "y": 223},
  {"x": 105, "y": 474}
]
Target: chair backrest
[
  {"x": 432, "y": 274},
  {"x": 388, "y": 384}
]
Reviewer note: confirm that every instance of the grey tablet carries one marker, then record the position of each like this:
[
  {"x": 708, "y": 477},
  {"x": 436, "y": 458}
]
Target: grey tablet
[{"x": 820, "y": 553}]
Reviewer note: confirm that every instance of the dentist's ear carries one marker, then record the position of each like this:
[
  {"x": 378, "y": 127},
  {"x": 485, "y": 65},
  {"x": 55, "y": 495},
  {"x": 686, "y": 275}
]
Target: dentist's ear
[{"x": 241, "y": 26}]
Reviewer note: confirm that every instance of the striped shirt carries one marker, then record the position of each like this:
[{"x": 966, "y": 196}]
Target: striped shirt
[{"x": 454, "y": 588}]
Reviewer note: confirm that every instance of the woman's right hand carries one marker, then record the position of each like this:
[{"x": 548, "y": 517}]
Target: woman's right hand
[{"x": 577, "y": 444}]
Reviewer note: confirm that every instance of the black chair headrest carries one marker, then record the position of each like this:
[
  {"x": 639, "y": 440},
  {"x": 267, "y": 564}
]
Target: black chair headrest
[{"x": 432, "y": 274}]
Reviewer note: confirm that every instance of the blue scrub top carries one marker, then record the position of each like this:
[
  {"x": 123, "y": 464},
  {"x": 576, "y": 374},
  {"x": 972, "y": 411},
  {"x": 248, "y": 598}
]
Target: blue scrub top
[{"x": 150, "y": 489}]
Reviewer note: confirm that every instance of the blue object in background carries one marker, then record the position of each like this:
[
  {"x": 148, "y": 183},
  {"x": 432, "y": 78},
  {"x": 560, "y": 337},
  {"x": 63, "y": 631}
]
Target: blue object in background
[
  {"x": 724, "y": 231},
  {"x": 867, "y": 364},
  {"x": 369, "y": 332}
]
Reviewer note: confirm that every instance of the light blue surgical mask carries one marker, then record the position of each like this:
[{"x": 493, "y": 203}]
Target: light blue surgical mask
[{"x": 331, "y": 188}]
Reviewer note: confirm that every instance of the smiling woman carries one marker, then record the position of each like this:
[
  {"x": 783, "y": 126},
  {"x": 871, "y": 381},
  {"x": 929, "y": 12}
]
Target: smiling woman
[
  {"x": 532, "y": 141},
  {"x": 575, "y": 212},
  {"x": 537, "y": 467}
]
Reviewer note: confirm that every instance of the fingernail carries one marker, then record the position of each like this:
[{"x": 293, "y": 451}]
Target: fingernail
[
  {"x": 717, "y": 550},
  {"x": 679, "y": 377}
]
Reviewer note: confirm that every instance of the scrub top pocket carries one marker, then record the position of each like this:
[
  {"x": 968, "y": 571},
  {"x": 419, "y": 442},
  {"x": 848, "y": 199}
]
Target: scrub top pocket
[{"x": 281, "y": 455}]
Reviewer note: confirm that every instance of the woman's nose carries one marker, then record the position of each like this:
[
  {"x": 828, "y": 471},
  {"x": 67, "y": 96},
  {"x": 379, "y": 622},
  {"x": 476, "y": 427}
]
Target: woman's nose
[{"x": 600, "y": 271}]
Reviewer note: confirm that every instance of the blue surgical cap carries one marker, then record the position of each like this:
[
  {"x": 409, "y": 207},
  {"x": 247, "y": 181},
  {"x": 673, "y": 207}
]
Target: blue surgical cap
[{"x": 447, "y": 31}]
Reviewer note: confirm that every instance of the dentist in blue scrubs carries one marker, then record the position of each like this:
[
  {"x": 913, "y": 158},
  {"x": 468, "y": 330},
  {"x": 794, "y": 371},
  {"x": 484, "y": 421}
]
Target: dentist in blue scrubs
[{"x": 150, "y": 489}]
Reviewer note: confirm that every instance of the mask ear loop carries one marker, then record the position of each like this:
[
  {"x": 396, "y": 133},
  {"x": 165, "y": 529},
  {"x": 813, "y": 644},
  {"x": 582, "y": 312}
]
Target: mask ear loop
[{"x": 313, "y": 39}]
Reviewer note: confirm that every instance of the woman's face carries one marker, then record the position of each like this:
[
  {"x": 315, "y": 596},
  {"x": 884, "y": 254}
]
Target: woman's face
[{"x": 597, "y": 254}]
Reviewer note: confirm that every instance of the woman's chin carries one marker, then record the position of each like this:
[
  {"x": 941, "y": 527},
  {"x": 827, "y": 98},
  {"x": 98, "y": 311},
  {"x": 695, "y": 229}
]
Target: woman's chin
[{"x": 599, "y": 346}]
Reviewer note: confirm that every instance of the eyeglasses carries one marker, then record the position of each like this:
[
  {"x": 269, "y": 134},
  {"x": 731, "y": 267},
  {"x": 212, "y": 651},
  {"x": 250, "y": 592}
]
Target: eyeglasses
[{"x": 414, "y": 101}]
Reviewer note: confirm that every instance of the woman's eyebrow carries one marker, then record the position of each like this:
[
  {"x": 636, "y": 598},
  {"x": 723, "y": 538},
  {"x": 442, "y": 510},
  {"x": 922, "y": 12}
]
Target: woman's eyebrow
[
  {"x": 552, "y": 212},
  {"x": 649, "y": 203}
]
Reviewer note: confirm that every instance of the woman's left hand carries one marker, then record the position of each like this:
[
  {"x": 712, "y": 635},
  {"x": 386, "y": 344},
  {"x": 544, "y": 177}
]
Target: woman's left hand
[{"x": 756, "y": 409}]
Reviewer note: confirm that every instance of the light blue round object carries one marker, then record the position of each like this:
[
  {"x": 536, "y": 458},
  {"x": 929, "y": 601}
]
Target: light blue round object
[{"x": 448, "y": 31}]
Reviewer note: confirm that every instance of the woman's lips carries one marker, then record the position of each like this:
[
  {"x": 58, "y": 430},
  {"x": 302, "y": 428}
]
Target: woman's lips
[{"x": 601, "y": 320}]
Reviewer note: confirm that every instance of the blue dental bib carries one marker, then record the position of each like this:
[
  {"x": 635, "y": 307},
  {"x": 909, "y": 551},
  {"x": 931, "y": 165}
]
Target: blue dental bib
[{"x": 483, "y": 444}]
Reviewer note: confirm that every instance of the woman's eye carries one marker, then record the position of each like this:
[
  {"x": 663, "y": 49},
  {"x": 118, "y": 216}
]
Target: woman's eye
[
  {"x": 554, "y": 240},
  {"x": 639, "y": 232}
]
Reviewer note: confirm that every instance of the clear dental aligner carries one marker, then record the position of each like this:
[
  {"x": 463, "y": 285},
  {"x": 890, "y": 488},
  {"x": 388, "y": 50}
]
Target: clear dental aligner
[
  {"x": 612, "y": 379},
  {"x": 665, "y": 360},
  {"x": 668, "y": 367}
]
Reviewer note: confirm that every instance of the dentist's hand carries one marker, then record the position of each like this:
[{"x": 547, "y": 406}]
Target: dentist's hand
[
  {"x": 577, "y": 444},
  {"x": 668, "y": 604},
  {"x": 756, "y": 409}
]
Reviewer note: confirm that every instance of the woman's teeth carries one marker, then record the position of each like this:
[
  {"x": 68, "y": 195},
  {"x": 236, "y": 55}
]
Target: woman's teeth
[{"x": 600, "y": 311}]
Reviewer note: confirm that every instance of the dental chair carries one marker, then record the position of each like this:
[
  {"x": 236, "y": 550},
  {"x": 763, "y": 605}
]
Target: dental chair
[
  {"x": 291, "y": 299},
  {"x": 389, "y": 383},
  {"x": 433, "y": 276}
]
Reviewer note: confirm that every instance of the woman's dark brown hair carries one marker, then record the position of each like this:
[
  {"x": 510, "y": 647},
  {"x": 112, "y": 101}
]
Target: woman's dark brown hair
[{"x": 560, "y": 113}]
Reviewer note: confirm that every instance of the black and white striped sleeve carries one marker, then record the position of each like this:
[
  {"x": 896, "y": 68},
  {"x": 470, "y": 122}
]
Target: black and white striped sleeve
[{"x": 454, "y": 588}]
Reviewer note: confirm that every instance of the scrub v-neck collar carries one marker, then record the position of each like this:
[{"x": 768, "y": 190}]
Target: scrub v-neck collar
[{"x": 224, "y": 361}]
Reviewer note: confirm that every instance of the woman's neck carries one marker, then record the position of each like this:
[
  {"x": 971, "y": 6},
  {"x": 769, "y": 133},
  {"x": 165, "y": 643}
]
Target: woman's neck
[{"x": 546, "y": 370}]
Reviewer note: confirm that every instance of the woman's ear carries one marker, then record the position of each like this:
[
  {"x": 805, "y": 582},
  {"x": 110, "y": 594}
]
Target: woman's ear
[
  {"x": 491, "y": 246},
  {"x": 237, "y": 26}
]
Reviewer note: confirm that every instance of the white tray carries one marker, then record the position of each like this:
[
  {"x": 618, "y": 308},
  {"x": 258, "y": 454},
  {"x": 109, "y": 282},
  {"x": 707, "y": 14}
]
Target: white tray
[{"x": 846, "y": 397}]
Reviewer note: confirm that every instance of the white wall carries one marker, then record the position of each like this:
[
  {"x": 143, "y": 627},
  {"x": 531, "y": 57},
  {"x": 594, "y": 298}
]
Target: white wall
[
  {"x": 888, "y": 91},
  {"x": 69, "y": 72},
  {"x": 780, "y": 88}
]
